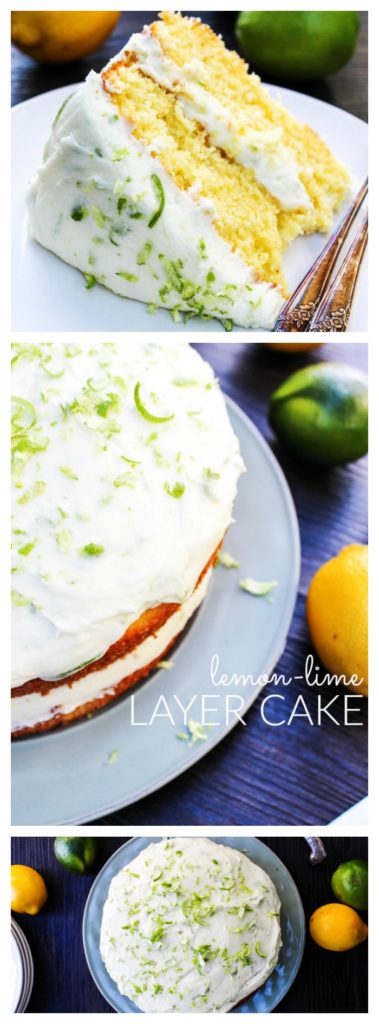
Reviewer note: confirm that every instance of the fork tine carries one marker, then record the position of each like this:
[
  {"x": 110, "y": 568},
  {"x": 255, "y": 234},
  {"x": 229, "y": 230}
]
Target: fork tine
[
  {"x": 302, "y": 305},
  {"x": 335, "y": 307}
]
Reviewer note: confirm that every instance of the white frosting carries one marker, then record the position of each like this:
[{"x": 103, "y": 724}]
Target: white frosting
[
  {"x": 263, "y": 151},
  {"x": 93, "y": 199},
  {"x": 91, "y": 470},
  {"x": 190, "y": 926},
  {"x": 29, "y": 709}
]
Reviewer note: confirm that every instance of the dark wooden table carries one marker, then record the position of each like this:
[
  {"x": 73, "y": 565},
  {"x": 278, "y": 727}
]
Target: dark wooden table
[
  {"x": 326, "y": 983},
  {"x": 346, "y": 89},
  {"x": 302, "y": 774}
]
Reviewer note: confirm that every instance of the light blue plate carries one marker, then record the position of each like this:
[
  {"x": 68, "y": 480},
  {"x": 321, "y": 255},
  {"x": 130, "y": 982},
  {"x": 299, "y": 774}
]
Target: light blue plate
[
  {"x": 64, "y": 776},
  {"x": 292, "y": 923},
  {"x": 49, "y": 295}
]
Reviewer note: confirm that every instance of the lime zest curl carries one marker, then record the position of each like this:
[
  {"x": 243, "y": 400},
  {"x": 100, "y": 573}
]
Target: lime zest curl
[
  {"x": 93, "y": 550},
  {"x": 145, "y": 412},
  {"x": 176, "y": 491},
  {"x": 34, "y": 491},
  {"x": 227, "y": 561},
  {"x": 24, "y": 416},
  {"x": 159, "y": 191},
  {"x": 258, "y": 588}
]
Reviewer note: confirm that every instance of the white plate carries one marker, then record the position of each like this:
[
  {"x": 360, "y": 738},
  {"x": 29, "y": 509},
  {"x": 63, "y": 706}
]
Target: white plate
[{"x": 49, "y": 295}]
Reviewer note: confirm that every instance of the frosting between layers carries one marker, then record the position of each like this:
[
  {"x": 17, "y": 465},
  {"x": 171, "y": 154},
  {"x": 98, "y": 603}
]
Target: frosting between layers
[
  {"x": 190, "y": 925},
  {"x": 113, "y": 513},
  {"x": 94, "y": 202},
  {"x": 262, "y": 151},
  {"x": 31, "y": 709}
]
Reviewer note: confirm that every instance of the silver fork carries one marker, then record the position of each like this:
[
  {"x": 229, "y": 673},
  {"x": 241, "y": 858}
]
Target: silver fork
[
  {"x": 335, "y": 307},
  {"x": 303, "y": 304}
]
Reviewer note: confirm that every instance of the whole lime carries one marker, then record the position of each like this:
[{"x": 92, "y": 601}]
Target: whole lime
[
  {"x": 321, "y": 413},
  {"x": 297, "y": 44},
  {"x": 76, "y": 853},
  {"x": 350, "y": 884}
]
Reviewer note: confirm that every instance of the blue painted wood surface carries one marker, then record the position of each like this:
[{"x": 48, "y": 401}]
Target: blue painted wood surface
[{"x": 298, "y": 774}]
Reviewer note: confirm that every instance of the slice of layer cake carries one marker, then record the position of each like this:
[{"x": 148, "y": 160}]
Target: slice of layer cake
[{"x": 173, "y": 178}]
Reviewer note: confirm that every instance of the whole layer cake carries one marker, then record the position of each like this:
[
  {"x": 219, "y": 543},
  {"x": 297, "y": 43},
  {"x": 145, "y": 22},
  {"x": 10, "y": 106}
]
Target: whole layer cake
[
  {"x": 172, "y": 177},
  {"x": 190, "y": 926},
  {"x": 125, "y": 468}
]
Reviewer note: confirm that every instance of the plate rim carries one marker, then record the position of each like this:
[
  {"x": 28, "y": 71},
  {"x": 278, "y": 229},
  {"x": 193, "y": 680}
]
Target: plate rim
[
  {"x": 16, "y": 952},
  {"x": 27, "y": 964},
  {"x": 221, "y": 839},
  {"x": 194, "y": 755}
]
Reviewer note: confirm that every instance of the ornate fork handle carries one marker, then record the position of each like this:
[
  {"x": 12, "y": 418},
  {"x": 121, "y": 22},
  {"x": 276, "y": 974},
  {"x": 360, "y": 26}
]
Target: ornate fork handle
[
  {"x": 335, "y": 308},
  {"x": 297, "y": 314},
  {"x": 317, "y": 848}
]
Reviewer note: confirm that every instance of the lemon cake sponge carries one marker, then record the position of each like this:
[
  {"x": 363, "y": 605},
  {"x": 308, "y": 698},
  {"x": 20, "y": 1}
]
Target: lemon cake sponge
[{"x": 173, "y": 177}]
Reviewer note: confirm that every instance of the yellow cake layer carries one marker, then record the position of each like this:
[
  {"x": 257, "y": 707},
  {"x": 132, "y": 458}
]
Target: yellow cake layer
[
  {"x": 226, "y": 76},
  {"x": 245, "y": 214}
]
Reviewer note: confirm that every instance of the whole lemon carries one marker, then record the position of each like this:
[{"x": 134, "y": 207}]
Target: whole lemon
[
  {"x": 337, "y": 613},
  {"x": 28, "y": 890},
  {"x": 59, "y": 36},
  {"x": 294, "y": 346},
  {"x": 337, "y": 927},
  {"x": 297, "y": 44}
]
